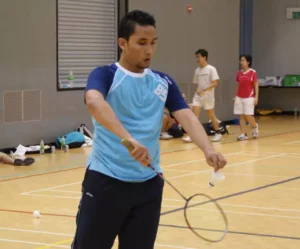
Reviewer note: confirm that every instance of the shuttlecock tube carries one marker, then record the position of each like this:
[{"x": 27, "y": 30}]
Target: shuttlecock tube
[{"x": 36, "y": 214}]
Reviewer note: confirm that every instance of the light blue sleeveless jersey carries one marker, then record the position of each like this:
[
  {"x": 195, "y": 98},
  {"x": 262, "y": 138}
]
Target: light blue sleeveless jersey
[{"x": 138, "y": 100}]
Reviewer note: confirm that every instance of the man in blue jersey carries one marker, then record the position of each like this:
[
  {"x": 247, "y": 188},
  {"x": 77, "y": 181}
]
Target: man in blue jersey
[{"x": 121, "y": 195}]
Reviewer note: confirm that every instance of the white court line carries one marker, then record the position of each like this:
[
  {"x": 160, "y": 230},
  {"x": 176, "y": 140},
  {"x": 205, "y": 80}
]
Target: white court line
[
  {"x": 61, "y": 234},
  {"x": 195, "y": 161},
  {"x": 236, "y": 212},
  {"x": 228, "y": 166},
  {"x": 63, "y": 191},
  {"x": 58, "y": 186},
  {"x": 258, "y": 154},
  {"x": 163, "y": 167},
  {"x": 175, "y": 177},
  {"x": 293, "y": 142},
  {"x": 295, "y": 156},
  {"x": 181, "y": 170},
  {"x": 254, "y": 175},
  {"x": 32, "y": 243},
  {"x": 233, "y": 174},
  {"x": 244, "y": 206}
]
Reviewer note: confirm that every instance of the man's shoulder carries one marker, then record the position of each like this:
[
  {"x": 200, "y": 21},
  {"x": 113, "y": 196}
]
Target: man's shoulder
[
  {"x": 211, "y": 67},
  {"x": 161, "y": 75},
  {"x": 105, "y": 69}
]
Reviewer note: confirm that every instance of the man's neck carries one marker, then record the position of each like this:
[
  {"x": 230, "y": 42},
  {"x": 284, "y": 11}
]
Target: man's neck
[
  {"x": 204, "y": 65},
  {"x": 124, "y": 63}
]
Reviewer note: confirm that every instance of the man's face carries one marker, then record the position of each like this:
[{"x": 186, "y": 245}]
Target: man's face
[
  {"x": 200, "y": 59},
  {"x": 140, "y": 47}
]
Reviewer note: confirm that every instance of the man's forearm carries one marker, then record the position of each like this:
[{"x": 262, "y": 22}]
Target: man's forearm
[
  {"x": 211, "y": 86},
  {"x": 194, "y": 128},
  {"x": 104, "y": 115}
]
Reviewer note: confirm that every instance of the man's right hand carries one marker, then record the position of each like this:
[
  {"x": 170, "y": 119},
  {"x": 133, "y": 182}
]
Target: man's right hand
[
  {"x": 200, "y": 92},
  {"x": 140, "y": 152}
]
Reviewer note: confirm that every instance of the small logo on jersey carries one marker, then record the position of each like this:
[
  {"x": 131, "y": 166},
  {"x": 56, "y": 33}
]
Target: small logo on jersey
[{"x": 161, "y": 92}]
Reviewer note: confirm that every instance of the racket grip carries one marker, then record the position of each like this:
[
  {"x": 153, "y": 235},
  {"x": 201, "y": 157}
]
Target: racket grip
[{"x": 215, "y": 177}]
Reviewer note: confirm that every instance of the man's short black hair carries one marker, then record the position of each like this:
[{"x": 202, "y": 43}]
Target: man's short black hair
[
  {"x": 202, "y": 52},
  {"x": 248, "y": 58},
  {"x": 132, "y": 18}
]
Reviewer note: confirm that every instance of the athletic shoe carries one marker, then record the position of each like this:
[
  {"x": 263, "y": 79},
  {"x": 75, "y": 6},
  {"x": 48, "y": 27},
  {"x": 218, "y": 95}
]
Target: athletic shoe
[
  {"x": 217, "y": 137},
  {"x": 255, "y": 131},
  {"x": 165, "y": 136},
  {"x": 242, "y": 137},
  {"x": 187, "y": 139},
  {"x": 26, "y": 162}
]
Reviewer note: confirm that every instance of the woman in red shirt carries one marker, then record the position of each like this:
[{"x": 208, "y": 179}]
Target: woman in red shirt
[{"x": 246, "y": 97}]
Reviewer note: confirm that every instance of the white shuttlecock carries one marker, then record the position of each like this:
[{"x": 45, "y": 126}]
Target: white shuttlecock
[
  {"x": 36, "y": 214},
  {"x": 216, "y": 176}
]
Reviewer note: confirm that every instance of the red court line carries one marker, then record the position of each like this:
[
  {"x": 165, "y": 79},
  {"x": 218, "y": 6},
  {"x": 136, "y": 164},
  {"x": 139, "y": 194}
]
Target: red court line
[
  {"x": 168, "y": 152},
  {"x": 42, "y": 214}
]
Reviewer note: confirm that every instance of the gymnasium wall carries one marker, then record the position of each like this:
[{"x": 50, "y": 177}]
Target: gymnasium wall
[
  {"x": 276, "y": 42},
  {"x": 213, "y": 25},
  {"x": 28, "y": 62}
]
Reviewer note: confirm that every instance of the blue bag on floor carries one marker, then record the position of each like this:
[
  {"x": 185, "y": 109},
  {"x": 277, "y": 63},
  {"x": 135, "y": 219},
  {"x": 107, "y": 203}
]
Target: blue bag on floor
[{"x": 74, "y": 139}]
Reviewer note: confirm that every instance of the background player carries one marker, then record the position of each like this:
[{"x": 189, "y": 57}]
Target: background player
[
  {"x": 206, "y": 78},
  {"x": 246, "y": 97},
  {"x": 120, "y": 197}
]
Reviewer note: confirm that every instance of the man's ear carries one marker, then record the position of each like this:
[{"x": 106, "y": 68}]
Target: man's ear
[{"x": 122, "y": 44}]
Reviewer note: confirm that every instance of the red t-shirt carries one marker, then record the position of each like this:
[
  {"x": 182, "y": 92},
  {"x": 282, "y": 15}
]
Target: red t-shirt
[{"x": 246, "y": 82}]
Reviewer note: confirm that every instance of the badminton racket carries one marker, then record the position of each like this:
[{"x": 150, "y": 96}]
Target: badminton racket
[{"x": 212, "y": 215}]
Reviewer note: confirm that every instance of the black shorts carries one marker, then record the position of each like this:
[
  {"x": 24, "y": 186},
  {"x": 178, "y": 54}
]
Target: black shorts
[
  {"x": 174, "y": 131},
  {"x": 111, "y": 208}
]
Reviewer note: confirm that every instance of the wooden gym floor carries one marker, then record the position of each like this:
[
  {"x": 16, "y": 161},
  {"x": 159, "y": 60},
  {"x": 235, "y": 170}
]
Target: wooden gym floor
[{"x": 262, "y": 218}]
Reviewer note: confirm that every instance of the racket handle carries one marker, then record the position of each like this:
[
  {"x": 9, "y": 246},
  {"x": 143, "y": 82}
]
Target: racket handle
[{"x": 215, "y": 177}]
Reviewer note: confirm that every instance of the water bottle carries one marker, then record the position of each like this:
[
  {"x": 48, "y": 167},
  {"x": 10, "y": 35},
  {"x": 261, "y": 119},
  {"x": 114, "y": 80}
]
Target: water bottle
[
  {"x": 296, "y": 112},
  {"x": 71, "y": 79},
  {"x": 42, "y": 147},
  {"x": 63, "y": 144}
]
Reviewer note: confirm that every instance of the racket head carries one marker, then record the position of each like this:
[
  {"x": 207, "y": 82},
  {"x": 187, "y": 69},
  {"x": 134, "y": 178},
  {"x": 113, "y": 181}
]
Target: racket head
[{"x": 192, "y": 203}]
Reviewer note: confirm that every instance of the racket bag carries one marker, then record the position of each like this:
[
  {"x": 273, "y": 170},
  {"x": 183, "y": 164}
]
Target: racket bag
[
  {"x": 84, "y": 131},
  {"x": 74, "y": 139}
]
